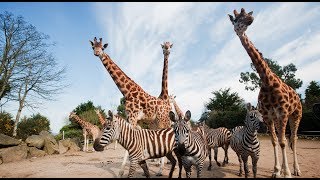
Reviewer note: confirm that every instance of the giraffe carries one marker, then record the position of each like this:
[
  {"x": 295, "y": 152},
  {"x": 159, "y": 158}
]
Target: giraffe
[
  {"x": 278, "y": 102},
  {"x": 176, "y": 107},
  {"x": 87, "y": 129},
  {"x": 166, "y": 46},
  {"x": 139, "y": 104}
]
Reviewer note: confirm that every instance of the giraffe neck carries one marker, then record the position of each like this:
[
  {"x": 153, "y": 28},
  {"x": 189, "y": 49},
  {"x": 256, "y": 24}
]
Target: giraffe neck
[
  {"x": 164, "y": 91},
  {"x": 257, "y": 59},
  {"x": 101, "y": 119},
  {"x": 83, "y": 123},
  {"x": 178, "y": 110},
  {"x": 123, "y": 82}
]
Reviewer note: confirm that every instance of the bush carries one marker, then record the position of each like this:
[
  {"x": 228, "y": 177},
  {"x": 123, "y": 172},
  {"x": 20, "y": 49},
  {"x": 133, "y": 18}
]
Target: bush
[
  {"x": 33, "y": 125},
  {"x": 6, "y": 123}
]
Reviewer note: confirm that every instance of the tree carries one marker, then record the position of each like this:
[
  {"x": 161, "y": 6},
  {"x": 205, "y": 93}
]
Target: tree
[
  {"x": 312, "y": 95},
  {"x": 121, "y": 109},
  {"x": 285, "y": 73},
  {"x": 28, "y": 72},
  {"x": 33, "y": 125},
  {"x": 224, "y": 100}
]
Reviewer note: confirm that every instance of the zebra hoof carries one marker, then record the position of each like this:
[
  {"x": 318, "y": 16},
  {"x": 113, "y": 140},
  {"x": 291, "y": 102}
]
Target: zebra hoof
[
  {"x": 218, "y": 164},
  {"x": 120, "y": 174},
  {"x": 239, "y": 174},
  {"x": 209, "y": 168}
]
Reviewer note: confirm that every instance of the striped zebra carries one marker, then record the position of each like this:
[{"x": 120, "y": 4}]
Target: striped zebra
[
  {"x": 244, "y": 140},
  {"x": 191, "y": 145},
  {"x": 141, "y": 144},
  {"x": 219, "y": 137}
]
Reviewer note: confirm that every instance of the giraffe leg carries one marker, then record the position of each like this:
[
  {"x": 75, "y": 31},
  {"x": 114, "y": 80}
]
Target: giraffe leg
[
  {"x": 294, "y": 124},
  {"x": 123, "y": 163},
  {"x": 115, "y": 144},
  {"x": 161, "y": 167},
  {"x": 282, "y": 142},
  {"x": 84, "y": 144},
  {"x": 274, "y": 140}
]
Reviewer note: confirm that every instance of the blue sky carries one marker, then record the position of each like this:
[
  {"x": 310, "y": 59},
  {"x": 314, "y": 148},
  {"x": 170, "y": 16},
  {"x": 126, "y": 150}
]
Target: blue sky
[{"x": 206, "y": 54}]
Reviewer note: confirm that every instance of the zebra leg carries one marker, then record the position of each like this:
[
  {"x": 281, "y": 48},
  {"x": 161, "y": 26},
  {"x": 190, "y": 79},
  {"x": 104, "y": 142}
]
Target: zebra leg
[
  {"x": 161, "y": 167},
  {"x": 199, "y": 168},
  {"x": 245, "y": 164},
  {"x": 179, "y": 157},
  {"x": 115, "y": 144},
  {"x": 293, "y": 142},
  {"x": 240, "y": 163},
  {"x": 216, "y": 155},
  {"x": 209, "y": 153},
  {"x": 187, "y": 166},
  {"x": 226, "y": 159},
  {"x": 274, "y": 140},
  {"x": 173, "y": 163},
  {"x": 254, "y": 166},
  {"x": 123, "y": 163},
  {"x": 132, "y": 169},
  {"x": 144, "y": 166}
]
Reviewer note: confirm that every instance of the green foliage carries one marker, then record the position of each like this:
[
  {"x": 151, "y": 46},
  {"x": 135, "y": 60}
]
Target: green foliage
[
  {"x": 6, "y": 123},
  {"x": 286, "y": 73},
  {"x": 309, "y": 122},
  {"x": 121, "y": 109},
  {"x": 224, "y": 100},
  {"x": 312, "y": 95},
  {"x": 33, "y": 125},
  {"x": 84, "y": 107},
  {"x": 228, "y": 119}
]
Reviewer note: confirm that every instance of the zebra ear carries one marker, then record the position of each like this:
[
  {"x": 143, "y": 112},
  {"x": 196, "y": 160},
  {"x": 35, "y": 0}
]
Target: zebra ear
[
  {"x": 249, "y": 107},
  {"x": 187, "y": 116},
  {"x": 110, "y": 115},
  {"x": 172, "y": 116}
]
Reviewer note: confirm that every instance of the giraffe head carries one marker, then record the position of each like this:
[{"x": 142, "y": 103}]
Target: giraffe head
[
  {"x": 72, "y": 115},
  {"x": 98, "y": 47},
  {"x": 166, "y": 46},
  {"x": 241, "y": 21},
  {"x": 253, "y": 118}
]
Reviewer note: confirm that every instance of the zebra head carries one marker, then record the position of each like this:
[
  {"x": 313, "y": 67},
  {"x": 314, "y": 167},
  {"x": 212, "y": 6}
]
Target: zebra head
[
  {"x": 109, "y": 132},
  {"x": 253, "y": 118},
  {"x": 181, "y": 129}
]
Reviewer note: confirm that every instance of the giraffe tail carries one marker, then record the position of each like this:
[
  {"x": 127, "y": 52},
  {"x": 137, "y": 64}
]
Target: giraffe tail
[{"x": 290, "y": 142}]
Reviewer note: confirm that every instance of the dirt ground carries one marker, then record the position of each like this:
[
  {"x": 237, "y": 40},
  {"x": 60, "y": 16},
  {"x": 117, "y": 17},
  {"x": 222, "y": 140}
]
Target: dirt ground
[{"x": 106, "y": 164}]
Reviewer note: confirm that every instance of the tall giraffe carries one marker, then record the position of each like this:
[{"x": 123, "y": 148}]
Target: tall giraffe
[
  {"x": 278, "y": 102},
  {"x": 176, "y": 107},
  {"x": 102, "y": 122},
  {"x": 166, "y": 46},
  {"x": 87, "y": 129},
  {"x": 139, "y": 104}
]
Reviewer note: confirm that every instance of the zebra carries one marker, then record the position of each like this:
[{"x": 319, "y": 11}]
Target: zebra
[
  {"x": 219, "y": 137},
  {"x": 141, "y": 144},
  {"x": 244, "y": 140},
  {"x": 191, "y": 145}
]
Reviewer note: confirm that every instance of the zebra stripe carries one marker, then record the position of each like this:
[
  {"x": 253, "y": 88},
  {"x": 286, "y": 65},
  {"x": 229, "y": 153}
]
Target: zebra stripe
[
  {"x": 244, "y": 140},
  {"x": 141, "y": 144},
  {"x": 219, "y": 137},
  {"x": 191, "y": 145}
]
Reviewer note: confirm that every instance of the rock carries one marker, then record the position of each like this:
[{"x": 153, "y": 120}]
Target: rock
[
  {"x": 34, "y": 152},
  {"x": 50, "y": 144},
  {"x": 35, "y": 141},
  {"x": 15, "y": 153},
  {"x": 68, "y": 145},
  {"x": 7, "y": 141}
]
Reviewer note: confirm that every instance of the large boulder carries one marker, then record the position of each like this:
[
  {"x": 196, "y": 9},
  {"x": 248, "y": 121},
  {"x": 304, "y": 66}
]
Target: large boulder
[
  {"x": 35, "y": 152},
  {"x": 50, "y": 144},
  {"x": 15, "y": 153},
  {"x": 69, "y": 145},
  {"x": 7, "y": 141},
  {"x": 35, "y": 141}
]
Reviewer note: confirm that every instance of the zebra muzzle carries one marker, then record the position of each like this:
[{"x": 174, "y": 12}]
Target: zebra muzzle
[{"x": 97, "y": 146}]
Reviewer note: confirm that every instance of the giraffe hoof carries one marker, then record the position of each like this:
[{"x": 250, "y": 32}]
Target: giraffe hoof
[
  {"x": 297, "y": 173},
  {"x": 275, "y": 175},
  {"x": 159, "y": 174}
]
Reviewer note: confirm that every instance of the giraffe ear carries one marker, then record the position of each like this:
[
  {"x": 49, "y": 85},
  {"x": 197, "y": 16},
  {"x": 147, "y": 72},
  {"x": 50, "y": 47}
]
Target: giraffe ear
[
  {"x": 105, "y": 45},
  {"x": 187, "y": 116},
  {"x": 231, "y": 18},
  {"x": 171, "y": 45},
  {"x": 172, "y": 116},
  {"x": 91, "y": 42},
  {"x": 162, "y": 46},
  {"x": 250, "y": 13}
]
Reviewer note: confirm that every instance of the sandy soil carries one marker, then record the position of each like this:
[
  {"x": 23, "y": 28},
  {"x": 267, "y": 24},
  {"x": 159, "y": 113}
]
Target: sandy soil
[{"x": 107, "y": 163}]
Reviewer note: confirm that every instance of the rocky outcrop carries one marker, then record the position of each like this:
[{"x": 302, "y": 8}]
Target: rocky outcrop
[
  {"x": 35, "y": 141},
  {"x": 50, "y": 144},
  {"x": 68, "y": 145},
  {"x": 7, "y": 141},
  {"x": 15, "y": 153},
  {"x": 35, "y": 152}
]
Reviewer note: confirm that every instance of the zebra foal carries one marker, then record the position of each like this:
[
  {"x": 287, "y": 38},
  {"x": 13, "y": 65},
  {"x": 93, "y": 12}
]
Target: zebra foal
[
  {"x": 141, "y": 144},
  {"x": 244, "y": 140},
  {"x": 190, "y": 145}
]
